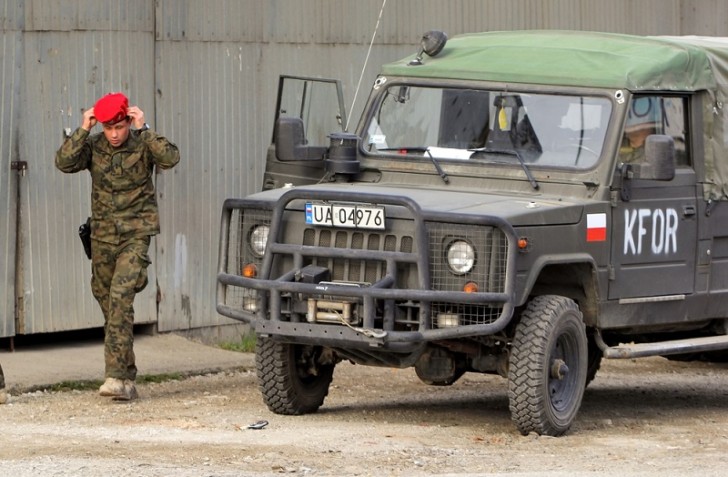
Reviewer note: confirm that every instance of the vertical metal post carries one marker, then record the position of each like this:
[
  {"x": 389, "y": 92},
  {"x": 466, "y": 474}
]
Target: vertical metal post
[{"x": 20, "y": 167}]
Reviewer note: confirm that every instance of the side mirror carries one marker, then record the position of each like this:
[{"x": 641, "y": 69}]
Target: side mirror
[
  {"x": 659, "y": 162},
  {"x": 291, "y": 144}
]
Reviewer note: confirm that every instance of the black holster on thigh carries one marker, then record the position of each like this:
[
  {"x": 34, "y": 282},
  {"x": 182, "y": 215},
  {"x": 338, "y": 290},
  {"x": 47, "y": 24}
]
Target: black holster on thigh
[{"x": 84, "y": 233}]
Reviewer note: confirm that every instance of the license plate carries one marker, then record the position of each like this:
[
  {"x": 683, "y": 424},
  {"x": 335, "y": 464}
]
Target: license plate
[{"x": 353, "y": 216}]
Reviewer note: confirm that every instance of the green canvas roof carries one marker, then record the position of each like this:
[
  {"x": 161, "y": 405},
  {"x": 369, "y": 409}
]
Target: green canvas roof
[
  {"x": 600, "y": 60},
  {"x": 573, "y": 58}
]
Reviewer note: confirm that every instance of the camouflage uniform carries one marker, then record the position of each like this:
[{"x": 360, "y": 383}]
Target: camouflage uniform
[
  {"x": 632, "y": 155},
  {"x": 123, "y": 217}
]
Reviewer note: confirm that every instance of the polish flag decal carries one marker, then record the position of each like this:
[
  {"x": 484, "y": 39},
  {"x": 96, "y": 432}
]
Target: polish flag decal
[{"x": 596, "y": 227}]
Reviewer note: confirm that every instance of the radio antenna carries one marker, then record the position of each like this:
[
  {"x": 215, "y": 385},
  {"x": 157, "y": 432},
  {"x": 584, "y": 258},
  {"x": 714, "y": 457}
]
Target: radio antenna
[{"x": 364, "y": 67}]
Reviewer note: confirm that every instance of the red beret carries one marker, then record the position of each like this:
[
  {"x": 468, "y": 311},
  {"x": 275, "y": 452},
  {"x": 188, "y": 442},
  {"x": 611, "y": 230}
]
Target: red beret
[{"x": 111, "y": 108}]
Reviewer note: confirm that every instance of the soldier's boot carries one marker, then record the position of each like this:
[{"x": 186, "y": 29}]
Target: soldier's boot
[
  {"x": 3, "y": 396},
  {"x": 130, "y": 392},
  {"x": 112, "y": 387}
]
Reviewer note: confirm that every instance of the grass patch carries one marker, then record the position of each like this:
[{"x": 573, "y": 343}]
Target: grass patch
[
  {"x": 94, "y": 384},
  {"x": 245, "y": 345},
  {"x": 160, "y": 378},
  {"x": 65, "y": 386}
]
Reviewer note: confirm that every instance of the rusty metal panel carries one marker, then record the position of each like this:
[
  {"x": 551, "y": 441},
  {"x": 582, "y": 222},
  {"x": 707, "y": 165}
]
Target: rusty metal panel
[
  {"x": 10, "y": 82},
  {"x": 65, "y": 72}
]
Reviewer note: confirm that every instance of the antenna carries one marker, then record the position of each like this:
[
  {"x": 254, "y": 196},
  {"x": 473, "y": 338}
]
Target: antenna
[{"x": 358, "y": 85}]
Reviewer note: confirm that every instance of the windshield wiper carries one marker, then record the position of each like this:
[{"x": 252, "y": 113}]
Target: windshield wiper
[
  {"x": 425, "y": 150},
  {"x": 442, "y": 173},
  {"x": 513, "y": 152}
]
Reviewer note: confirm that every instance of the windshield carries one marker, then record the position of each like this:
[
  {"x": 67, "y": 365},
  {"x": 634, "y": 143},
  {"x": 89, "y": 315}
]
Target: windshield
[{"x": 489, "y": 126}]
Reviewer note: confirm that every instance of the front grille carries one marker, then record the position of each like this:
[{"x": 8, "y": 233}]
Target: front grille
[
  {"x": 239, "y": 253},
  {"x": 490, "y": 262},
  {"x": 489, "y": 271},
  {"x": 361, "y": 271}
]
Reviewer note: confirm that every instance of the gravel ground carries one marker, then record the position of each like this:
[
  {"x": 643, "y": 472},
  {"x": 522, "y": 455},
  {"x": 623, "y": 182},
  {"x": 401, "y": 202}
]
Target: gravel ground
[{"x": 650, "y": 417}]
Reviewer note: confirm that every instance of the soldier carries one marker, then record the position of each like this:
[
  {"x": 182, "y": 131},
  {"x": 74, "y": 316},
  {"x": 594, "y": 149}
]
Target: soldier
[
  {"x": 124, "y": 216},
  {"x": 642, "y": 120}
]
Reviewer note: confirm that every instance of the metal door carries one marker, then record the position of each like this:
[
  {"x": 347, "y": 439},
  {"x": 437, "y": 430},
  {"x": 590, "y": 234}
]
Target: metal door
[
  {"x": 654, "y": 237},
  {"x": 319, "y": 103}
]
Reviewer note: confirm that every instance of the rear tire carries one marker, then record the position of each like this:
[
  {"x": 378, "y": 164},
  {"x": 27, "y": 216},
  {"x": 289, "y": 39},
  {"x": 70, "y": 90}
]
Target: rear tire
[
  {"x": 290, "y": 376},
  {"x": 548, "y": 366}
]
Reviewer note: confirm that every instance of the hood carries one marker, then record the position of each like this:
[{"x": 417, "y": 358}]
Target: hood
[{"x": 517, "y": 210}]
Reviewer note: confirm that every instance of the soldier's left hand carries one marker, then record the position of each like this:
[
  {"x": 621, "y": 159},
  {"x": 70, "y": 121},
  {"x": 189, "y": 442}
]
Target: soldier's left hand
[{"x": 137, "y": 116}]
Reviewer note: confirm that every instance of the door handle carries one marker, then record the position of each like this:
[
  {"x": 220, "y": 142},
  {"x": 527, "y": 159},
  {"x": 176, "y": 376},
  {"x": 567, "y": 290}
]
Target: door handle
[{"x": 688, "y": 210}]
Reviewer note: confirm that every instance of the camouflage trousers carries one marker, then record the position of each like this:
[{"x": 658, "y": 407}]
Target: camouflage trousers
[{"x": 119, "y": 272}]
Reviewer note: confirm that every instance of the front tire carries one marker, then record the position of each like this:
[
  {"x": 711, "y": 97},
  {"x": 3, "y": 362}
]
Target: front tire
[
  {"x": 548, "y": 366},
  {"x": 291, "y": 377}
]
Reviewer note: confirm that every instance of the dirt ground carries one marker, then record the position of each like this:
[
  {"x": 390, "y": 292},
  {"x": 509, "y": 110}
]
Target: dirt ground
[{"x": 649, "y": 417}]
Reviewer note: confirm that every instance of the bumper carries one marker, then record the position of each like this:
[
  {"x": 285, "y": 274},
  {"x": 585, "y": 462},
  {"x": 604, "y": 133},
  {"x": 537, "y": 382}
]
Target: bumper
[{"x": 376, "y": 302}]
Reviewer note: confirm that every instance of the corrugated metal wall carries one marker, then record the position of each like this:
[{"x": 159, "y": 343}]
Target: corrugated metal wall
[
  {"x": 10, "y": 84},
  {"x": 72, "y": 53},
  {"x": 205, "y": 74}
]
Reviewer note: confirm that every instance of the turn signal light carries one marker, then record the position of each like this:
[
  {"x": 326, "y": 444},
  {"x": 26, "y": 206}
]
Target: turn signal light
[
  {"x": 250, "y": 270},
  {"x": 522, "y": 243},
  {"x": 470, "y": 287}
]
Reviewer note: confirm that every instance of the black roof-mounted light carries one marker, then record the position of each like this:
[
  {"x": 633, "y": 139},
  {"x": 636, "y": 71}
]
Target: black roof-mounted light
[{"x": 431, "y": 43}]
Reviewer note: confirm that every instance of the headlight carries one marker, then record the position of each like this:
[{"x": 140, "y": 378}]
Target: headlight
[
  {"x": 460, "y": 257},
  {"x": 258, "y": 239}
]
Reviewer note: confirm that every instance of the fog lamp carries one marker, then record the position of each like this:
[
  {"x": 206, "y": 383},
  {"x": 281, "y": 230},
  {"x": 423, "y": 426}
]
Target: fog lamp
[
  {"x": 448, "y": 320},
  {"x": 250, "y": 304}
]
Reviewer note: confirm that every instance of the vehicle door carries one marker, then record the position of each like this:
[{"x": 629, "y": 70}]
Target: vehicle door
[
  {"x": 319, "y": 104},
  {"x": 654, "y": 225}
]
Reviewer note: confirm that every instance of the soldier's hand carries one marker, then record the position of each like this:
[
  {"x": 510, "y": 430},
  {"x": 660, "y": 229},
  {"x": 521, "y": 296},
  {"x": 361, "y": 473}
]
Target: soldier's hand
[
  {"x": 137, "y": 116},
  {"x": 89, "y": 120}
]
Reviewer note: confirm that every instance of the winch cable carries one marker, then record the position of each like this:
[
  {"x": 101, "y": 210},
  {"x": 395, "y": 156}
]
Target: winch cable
[
  {"x": 376, "y": 334},
  {"x": 364, "y": 67}
]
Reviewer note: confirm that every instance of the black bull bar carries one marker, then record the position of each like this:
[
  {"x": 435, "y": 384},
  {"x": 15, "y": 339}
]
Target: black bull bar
[{"x": 273, "y": 287}]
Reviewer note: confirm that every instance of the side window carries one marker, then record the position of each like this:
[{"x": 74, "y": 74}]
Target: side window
[
  {"x": 318, "y": 102},
  {"x": 655, "y": 115}
]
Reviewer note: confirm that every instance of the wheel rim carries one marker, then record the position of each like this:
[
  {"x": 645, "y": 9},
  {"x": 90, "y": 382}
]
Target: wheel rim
[
  {"x": 562, "y": 379},
  {"x": 307, "y": 371}
]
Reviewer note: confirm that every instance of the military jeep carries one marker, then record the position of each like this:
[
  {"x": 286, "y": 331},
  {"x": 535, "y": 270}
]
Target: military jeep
[{"x": 517, "y": 203}]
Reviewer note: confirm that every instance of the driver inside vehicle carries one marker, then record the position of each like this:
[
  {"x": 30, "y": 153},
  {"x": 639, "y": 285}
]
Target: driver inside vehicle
[{"x": 643, "y": 118}]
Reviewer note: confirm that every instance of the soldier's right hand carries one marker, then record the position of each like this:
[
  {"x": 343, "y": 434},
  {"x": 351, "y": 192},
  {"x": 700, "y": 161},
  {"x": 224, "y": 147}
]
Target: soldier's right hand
[{"x": 89, "y": 120}]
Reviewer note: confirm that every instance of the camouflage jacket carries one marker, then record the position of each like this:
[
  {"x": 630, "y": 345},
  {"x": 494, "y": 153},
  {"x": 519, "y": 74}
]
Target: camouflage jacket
[{"x": 123, "y": 202}]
